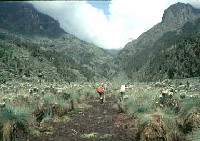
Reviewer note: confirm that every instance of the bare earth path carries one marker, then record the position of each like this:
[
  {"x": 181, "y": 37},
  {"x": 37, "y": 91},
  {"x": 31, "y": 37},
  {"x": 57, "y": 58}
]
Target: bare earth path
[{"x": 100, "y": 122}]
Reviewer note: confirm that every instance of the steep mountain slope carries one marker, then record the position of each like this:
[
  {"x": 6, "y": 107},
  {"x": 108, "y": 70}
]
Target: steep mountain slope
[
  {"x": 138, "y": 52},
  {"x": 181, "y": 60},
  {"x": 32, "y": 42},
  {"x": 23, "y": 18}
]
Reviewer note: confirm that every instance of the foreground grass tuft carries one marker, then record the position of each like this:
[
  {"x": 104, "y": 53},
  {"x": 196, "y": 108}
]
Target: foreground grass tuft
[{"x": 13, "y": 120}]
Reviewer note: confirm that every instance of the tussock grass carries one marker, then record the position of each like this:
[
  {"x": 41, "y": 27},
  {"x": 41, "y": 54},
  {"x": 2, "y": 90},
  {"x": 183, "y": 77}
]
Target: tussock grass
[
  {"x": 157, "y": 125},
  {"x": 138, "y": 103},
  {"x": 14, "y": 118},
  {"x": 194, "y": 136},
  {"x": 189, "y": 104}
]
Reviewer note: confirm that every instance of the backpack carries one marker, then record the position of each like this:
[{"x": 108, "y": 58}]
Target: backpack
[{"x": 100, "y": 89}]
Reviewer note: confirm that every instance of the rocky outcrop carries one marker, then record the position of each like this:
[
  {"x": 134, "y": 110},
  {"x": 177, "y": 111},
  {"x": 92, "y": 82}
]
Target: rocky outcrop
[{"x": 173, "y": 18}]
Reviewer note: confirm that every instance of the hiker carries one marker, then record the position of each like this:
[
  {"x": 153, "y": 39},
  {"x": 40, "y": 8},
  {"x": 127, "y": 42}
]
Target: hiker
[
  {"x": 40, "y": 76},
  {"x": 105, "y": 91},
  {"x": 122, "y": 92},
  {"x": 101, "y": 90}
]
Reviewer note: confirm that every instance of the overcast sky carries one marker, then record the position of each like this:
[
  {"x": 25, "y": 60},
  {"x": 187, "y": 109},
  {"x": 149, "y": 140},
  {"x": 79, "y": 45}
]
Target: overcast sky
[{"x": 111, "y": 25}]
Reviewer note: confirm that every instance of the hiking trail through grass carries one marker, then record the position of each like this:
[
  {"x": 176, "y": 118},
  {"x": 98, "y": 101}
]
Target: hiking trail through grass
[{"x": 99, "y": 122}]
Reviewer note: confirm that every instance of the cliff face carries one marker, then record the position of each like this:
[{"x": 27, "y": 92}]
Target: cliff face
[
  {"x": 176, "y": 15},
  {"x": 25, "y": 19},
  {"x": 173, "y": 18}
]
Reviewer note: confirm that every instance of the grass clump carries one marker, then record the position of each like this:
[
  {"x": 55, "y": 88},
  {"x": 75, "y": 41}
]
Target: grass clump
[
  {"x": 90, "y": 135},
  {"x": 96, "y": 135},
  {"x": 189, "y": 114},
  {"x": 140, "y": 103}
]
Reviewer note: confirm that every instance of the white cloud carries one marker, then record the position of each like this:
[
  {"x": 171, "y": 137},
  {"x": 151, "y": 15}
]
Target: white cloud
[{"x": 127, "y": 19}]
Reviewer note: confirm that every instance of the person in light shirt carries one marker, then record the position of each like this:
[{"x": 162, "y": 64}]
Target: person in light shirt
[{"x": 122, "y": 91}]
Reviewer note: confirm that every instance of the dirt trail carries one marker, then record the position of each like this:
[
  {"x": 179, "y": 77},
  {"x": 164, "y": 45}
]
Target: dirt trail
[{"x": 100, "y": 122}]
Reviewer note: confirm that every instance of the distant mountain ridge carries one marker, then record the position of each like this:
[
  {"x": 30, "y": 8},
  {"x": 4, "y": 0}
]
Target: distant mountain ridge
[
  {"x": 112, "y": 52},
  {"x": 137, "y": 53}
]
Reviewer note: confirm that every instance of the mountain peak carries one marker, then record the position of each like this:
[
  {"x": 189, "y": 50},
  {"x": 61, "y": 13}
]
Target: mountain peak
[
  {"x": 178, "y": 7},
  {"x": 174, "y": 18},
  {"x": 179, "y": 13}
]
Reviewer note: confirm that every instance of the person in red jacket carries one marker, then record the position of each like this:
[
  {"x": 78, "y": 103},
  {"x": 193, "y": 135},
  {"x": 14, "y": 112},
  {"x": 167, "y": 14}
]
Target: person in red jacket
[{"x": 101, "y": 90}]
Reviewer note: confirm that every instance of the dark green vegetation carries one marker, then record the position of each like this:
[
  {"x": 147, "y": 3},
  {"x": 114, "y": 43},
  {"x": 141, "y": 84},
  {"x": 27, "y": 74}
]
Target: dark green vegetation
[
  {"x": 180, "y": 61},
  {"x": 71, "y": 61}
]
